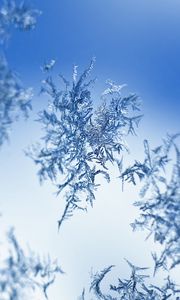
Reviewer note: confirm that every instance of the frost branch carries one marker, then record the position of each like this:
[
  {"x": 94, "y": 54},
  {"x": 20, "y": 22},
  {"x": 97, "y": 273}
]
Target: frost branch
[
  {"x": 160, "y": 204},
  {"x": 134, "y": 288},
  {"x": 21, "y": 274},
  {"x": 14, "y": 100}
]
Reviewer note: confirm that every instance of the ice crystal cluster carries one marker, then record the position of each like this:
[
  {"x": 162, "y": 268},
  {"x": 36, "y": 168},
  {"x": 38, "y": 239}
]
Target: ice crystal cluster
[
  {"x": 135, "y": 287},
  {"x": 160, "y": 203},
  {"x": 14, "y": 99},
  {"x": 22, "y": 275},
  {"x": 80, "y": 142}
]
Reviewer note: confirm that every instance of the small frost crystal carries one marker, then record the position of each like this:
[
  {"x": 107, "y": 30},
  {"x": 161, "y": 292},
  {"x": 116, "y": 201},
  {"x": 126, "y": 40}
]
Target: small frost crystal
[
  {"x": 48, "y": 66},
  {"x": 113, "y": 88},
  {"x": 160, "y": 204},
  {"x": 133, "y": 288},
  {"x": 79, "y": 143},
  {"x": 23, "y": 276}
]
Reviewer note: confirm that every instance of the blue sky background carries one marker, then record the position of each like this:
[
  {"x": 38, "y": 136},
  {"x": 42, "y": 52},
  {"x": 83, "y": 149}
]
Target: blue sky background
[{"x": 135, "y": 42}]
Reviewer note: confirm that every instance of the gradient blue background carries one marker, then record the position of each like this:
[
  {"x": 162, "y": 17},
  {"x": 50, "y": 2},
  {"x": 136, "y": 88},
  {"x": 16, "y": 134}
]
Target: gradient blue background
[{"x": 135, "y": 42}]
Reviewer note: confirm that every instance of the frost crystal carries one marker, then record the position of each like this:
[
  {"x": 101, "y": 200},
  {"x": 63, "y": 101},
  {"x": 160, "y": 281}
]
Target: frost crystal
[
  {"x": 134, "y": 288},
  {"x": 22, "y": 276},
  {"x": 160, "y": 204},
  {"x": 79, "y": 143}
]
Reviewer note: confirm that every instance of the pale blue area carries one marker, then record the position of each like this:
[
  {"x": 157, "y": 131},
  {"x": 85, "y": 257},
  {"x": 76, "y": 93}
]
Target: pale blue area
[{"x": 135, "y": 42}]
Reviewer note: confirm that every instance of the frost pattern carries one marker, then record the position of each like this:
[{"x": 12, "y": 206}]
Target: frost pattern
[
  {"x": 160, "y": 204},
  {"x": 79, "y": 143},
  {"x": 133, "y": 288},
  {"x": 23, "y": 275}
]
